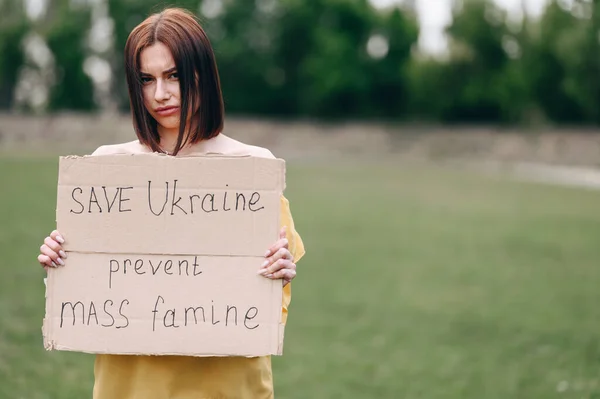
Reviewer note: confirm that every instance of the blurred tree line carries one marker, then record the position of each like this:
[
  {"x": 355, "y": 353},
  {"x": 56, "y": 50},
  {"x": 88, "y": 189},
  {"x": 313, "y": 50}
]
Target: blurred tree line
[{"x": 322, "y": 59}]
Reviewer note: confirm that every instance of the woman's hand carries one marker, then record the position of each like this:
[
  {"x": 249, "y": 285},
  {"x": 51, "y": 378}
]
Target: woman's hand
[
  {"x": 280, "y": 262},
  {"x": 51, "y": 252}
]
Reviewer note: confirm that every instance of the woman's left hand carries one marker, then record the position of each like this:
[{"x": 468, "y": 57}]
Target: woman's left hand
[{"x": 280, "y": 262}]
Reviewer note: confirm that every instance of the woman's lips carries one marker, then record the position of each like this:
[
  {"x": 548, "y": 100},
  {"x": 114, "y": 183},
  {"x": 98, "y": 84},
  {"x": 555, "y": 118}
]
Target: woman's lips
[{"x": 167, "y": 111}]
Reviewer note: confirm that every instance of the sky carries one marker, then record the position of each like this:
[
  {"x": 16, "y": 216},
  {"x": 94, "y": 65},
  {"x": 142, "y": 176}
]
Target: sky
[{"x": 434, "y": 15}]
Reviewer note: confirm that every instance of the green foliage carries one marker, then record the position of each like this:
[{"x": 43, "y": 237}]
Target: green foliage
[
  {"x": 310, "y": 58},
  {"x": 244, "y": 38},
  {"x": 344, "y": 58},
  {"x": 480, "y": 82},
  {"x": 335, "y": 74},
  {"x": 66, "y": 35},
  {"x": 389, "y": 87},
  {"x": 554, "y": 62},
  {"x": 583, "y": 62},
  {"x": 477, "y": 71},
  {"x": 13, "y": 29},
  {"x": 499, "y": 73}
]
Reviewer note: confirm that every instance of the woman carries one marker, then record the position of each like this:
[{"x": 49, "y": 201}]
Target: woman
[{"x": 172, "y": 77}]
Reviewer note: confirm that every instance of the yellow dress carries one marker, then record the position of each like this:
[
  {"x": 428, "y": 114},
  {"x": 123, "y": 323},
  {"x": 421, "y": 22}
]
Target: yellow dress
[{"x": 180, "y": 377}]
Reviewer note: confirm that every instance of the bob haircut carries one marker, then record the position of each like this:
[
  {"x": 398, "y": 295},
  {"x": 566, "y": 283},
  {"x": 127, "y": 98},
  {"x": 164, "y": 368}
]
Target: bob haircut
[{"x": 194, "y": 58}]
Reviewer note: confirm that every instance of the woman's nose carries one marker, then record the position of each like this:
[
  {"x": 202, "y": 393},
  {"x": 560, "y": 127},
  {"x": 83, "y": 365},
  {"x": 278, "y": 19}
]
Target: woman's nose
[{"x": 161, "y": 92}]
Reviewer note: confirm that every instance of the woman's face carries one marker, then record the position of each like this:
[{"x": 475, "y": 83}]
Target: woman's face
[{"x": 160, "y": 85}]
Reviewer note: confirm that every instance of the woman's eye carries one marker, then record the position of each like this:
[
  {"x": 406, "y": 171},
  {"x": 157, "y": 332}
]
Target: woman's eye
[
  {"x": 146, "y": 79},
  {"x": 174, "y": 75}
]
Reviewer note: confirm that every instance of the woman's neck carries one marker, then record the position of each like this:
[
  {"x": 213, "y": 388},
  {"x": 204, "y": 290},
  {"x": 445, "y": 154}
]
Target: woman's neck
[{"x": 168, "y": 139}]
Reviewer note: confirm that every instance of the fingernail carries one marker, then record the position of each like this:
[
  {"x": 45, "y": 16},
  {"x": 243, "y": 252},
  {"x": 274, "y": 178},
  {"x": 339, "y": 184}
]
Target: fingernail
[
  {"x": 59, "y": 260},
  {"x": 265, "y": 263},
  {"x": 261, "y": 271},
  {"x": 53, "y": 264},
  {"x": 60, "y": 239},
  {"x": 62, "y": 254},
  {"x": 269, "y": 275},
  {"x": 268, "y": 253}
]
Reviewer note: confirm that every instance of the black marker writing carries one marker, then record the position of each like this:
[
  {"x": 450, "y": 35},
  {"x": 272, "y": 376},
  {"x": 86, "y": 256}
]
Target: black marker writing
[
  {"x": 194, "y": 315},
  {"x": 150, "y": 198},
  {"x": 122, "y": 315},
  {"x": 155, "y": 311},
  {"x": 121, "y": 199},
  {"x": 73, "y": 310},
  {"x": 254, "y": 202},
  {"x": 173, "y": 202},
  {"x": 96, "y": 205},
  {"x": 169, "y": 267},
  {"x": 108, "y": 313},
  {"x": 109, "y": 203},
  {"x": 225, "y": 201},
  {"x": 93, "y": 199},
  {"x": 75, "y": 199}
]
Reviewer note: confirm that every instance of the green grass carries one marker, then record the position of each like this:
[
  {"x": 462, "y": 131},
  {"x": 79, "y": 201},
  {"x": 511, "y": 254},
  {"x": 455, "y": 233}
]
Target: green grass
[{"x": 418, "y": 283}]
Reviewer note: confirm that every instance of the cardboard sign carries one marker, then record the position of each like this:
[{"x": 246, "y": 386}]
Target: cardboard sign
[{"x": 163, "y": 254}]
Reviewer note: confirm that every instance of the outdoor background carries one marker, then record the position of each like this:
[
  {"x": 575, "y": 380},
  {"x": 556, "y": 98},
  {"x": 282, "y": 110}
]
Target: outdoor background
[{"x": 442, "y": 170}]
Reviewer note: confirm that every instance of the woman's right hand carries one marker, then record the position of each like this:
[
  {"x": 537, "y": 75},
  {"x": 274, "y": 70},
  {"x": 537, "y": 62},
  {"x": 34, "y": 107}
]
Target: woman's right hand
[{"x": 51, "y": 252}]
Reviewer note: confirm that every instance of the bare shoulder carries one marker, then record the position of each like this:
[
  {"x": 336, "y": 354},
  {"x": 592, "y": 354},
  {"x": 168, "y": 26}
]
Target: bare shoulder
[
  {"x": 235, "y": 147},
  {"x": 132, "y": 147}
]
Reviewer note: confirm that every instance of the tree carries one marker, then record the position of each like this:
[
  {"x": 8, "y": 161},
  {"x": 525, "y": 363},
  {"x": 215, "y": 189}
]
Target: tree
[
  {"x": 480, "y": 82},
  {"x": 389, "y": 92},
  {"x": 244, "y": 35},
  {"x": 545, "y": 66},
  {"x": 14, "y": 26},
  {"x": 298, "y": 58},
  {"x": 583, "y": 61},
  {"x": 68, "y": 27}
]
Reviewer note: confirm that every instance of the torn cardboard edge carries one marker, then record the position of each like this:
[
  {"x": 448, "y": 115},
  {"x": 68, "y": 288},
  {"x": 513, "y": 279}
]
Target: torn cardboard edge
[
  {"x": 143, "y": 157},
  {"x": 159, "y": 154}
]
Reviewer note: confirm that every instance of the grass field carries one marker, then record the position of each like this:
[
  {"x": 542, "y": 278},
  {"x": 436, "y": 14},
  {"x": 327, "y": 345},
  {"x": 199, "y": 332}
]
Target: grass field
[{"x": 418, "y": 283}]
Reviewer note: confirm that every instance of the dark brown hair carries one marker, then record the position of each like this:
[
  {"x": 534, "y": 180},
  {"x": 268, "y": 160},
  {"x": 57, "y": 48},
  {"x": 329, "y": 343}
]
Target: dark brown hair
[{"x": 179, "y": 30}]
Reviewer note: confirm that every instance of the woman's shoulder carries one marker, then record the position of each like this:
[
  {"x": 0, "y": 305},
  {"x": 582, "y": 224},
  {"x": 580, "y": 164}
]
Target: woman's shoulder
[
  {"x": 131, "y": 147},
  {"x": 223, "y": 145},
  {"x": 230, "y": 146}
]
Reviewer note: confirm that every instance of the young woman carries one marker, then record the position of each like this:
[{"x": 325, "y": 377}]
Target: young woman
[{"x": 177, "y": 108}]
